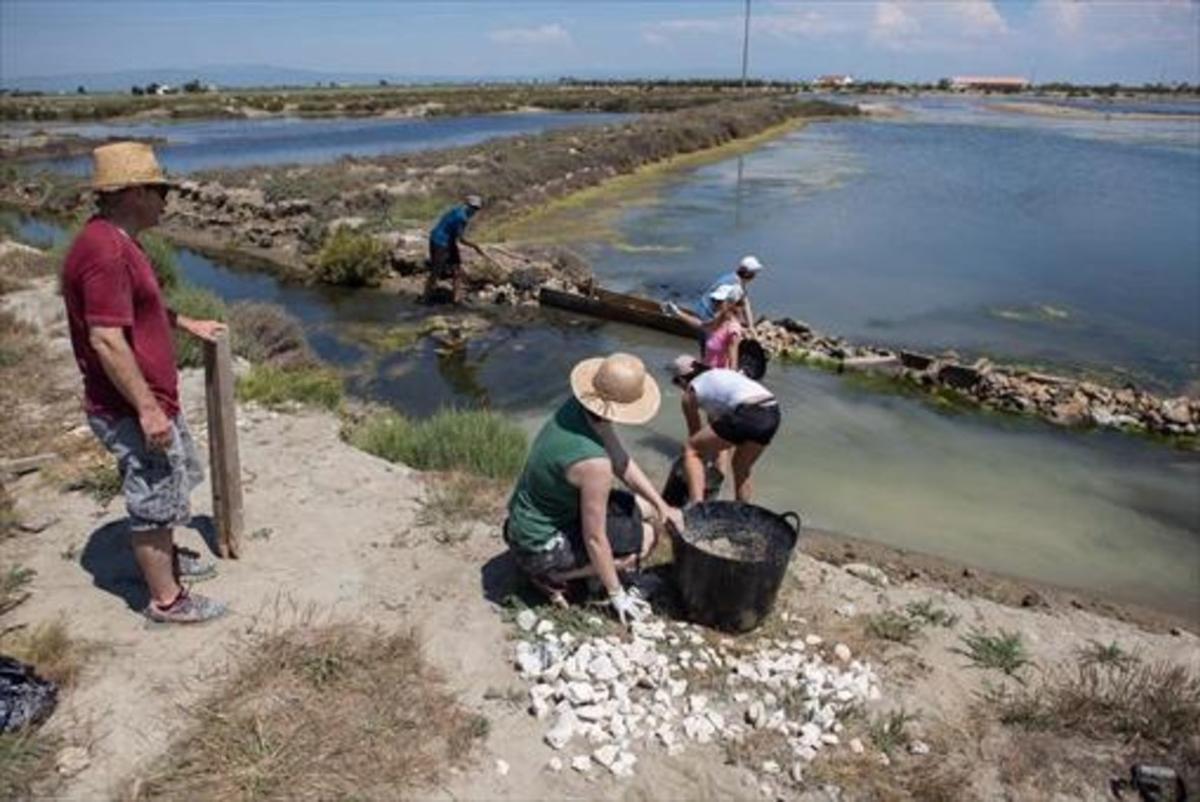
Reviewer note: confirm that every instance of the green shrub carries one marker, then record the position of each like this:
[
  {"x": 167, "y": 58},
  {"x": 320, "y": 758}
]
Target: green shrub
[
  {"x": 162, "y": 258},
  {"x": 265, "y": 334},
  {"x": 351, "y": 259},
  {"x": 191, "y": 301},
  {"x": 475, "y": 441},
  {"x": 274, "y": 387}
]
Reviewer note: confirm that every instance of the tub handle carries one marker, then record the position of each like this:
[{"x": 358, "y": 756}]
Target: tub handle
[{"x": 793, "y": 519}]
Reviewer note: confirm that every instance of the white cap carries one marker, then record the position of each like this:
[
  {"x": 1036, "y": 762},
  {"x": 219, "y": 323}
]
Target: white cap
[
  {"x": 750, "y": 264},
  {"x": 727, "y": 292},
  {"x": 474, "y": 201},
  {"x": 682, "y": 366}
]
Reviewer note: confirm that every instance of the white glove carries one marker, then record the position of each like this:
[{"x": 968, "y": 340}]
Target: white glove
[{"x": 628, "y": 607}]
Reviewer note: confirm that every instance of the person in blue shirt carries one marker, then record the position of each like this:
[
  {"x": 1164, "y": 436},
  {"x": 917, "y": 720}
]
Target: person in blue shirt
[
  {"x": 704, "y": 311},
  {"x": 444, "y": 258}
]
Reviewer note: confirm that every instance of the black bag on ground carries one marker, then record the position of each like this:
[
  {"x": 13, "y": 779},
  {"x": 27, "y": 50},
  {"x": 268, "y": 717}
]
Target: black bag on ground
[
  {"x": 675, "y": 491},
  {"x": 25, "y": 698}
]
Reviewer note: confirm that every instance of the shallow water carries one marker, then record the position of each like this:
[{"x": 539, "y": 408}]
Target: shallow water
[
  {"x": 1104, "y": 512},
  {"x": 208, "y": 144}
]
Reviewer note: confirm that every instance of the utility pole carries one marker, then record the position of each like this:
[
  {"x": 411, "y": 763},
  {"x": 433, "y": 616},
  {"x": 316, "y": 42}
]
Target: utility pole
[{"x": 746, "y": 46}]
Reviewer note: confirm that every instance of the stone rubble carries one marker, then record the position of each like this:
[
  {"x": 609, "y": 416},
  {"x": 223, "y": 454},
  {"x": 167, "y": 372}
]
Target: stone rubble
[
  {"x": 606, "y": 698},
  {"x": 1060, "y": 400}
]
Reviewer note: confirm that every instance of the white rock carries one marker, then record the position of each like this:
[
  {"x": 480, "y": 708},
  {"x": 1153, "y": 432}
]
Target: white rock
[
  {"x": 814, "y": 640},
  {"x": 71, "y": 760},
  {"x": 770, "y": 767},
  {"x": 606, "y": 755},
  {"x": 867, "y": 573},
  {"x": 527, "y": 620},
  {"x": 756, "y": 715},
  {"x": 842, "y": 652},
  {"x": 502, "y": 767},
  {"x": 830, "y": 739},
  {"x": 580, "y": 693},
  {"x": 555, "y": 764},
  {"x": 918, "y": 748},
  {"x": 677, "y": 687},
  {"x": 596, "y": 712},
  {"x": 603, "y": 669},
  {"x": 698, "y": 728},
  {"x": 544, "y": 627},
  {"x": 582, "y": 764},
  {"x": 797, "y": 772},
  {"x": 623, "y": 767},
  {"x": 697, "y": 703},
  {"x": 560, "y": 734},
  {"x": 856, "y": 746}
]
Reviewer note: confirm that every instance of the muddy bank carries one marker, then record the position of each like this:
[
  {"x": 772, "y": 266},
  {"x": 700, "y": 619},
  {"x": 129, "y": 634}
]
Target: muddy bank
[
  {"x": 1050, "y": 109},
  {"x": 58, "y": 145}
]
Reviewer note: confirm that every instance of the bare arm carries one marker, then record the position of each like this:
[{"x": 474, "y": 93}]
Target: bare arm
[
  {"x": 631, "y": 474},
  {"x": 122, "y": 369},
  {"x": 748, "y": 315},
  {"x": 593, "y": 477},
  {"x": 734, "y": 340}
]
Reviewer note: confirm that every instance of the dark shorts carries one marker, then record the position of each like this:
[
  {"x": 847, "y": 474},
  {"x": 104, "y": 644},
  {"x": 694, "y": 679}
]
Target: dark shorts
[
  {"x": 567, "y": 550},
  {"x": 157, "y": 485},
  {"x": 444, "y": 260},
  {"x": 748, "y": 423}
]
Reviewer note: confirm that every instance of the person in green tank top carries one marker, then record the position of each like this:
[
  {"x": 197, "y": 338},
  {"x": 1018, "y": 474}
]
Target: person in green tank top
[{"x": 564, "y": 519}]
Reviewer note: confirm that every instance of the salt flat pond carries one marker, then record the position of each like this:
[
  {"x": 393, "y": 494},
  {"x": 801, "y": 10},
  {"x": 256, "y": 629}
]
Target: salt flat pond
[{"x": 1020, "y": 237}]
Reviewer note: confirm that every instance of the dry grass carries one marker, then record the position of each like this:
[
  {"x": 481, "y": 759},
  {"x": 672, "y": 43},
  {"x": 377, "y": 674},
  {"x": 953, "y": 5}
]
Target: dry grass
[
  {"x": 457, "y": 499},
  {"x": 19, "y": 267},
  {"x": 863, "y": 778},
  {"x": 27, "y": 764},
  {"x": 1155, "y": 706},
  {"x": 13, "y": 580},
  {"x": 266, "y": 334},
  {"x": 322, "y": 712},
  {"x": 51, "y": 649}
]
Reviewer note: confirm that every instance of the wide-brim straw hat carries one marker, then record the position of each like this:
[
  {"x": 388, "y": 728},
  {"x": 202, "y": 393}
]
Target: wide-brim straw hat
[
  {"x": 616, "y": 388},
  {"x": 126, "y": 164}
]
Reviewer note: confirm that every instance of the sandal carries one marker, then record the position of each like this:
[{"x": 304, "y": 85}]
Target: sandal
[{"x": 186, "y": 609}]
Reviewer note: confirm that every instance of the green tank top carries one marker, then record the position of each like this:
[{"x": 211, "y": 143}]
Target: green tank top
[{"x": 544, "y": 501}]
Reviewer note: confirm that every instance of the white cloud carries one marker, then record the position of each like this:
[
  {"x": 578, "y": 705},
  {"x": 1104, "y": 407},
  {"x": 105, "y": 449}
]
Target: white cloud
[
  {"x": 551, "y": 34},
  {"x": 919, "y": 25},
  {"x": 791, "y": 21}
]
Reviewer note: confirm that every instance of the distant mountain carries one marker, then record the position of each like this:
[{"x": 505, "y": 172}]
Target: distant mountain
[{"x": 234, "y": 75}]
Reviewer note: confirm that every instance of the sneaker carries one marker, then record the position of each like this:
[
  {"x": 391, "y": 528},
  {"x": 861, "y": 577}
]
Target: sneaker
[
  {"x": 191, "y": 566},
  {"x": 186, "y": 609}
]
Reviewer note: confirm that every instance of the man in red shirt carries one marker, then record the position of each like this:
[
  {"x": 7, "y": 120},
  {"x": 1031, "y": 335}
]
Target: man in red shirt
[{"x": 121, "y": 334}]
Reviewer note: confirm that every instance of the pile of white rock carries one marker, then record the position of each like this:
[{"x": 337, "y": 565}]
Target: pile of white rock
[{"x": 665, "y": 685}]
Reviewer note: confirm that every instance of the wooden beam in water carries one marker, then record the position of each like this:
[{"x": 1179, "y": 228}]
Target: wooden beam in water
[{"x": 617, "y": 306}]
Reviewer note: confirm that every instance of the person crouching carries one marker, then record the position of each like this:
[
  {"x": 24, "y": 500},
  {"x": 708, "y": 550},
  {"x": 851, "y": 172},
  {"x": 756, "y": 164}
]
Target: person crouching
[{"x": 564, "y": 520}]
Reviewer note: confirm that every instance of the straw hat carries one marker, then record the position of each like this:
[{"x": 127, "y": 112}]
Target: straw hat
[
  {"x": 617, "y": 388},
  {"x": 125, "y": 164}
]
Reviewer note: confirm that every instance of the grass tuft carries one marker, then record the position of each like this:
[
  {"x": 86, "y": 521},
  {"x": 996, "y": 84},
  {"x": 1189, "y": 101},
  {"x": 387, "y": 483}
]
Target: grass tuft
[
  {"x": 1096, "y": 653},
  {"x": 889, "y": 732},
  {"x": 925, "y": 612},
  {"x": 192, "y": 301},
  {"x": 276, "y": 387},
  {"x": 1155, "y": 705},
  {"x": 1004, "y": 651},
  {"x": 101, "y": 481},
  {"x": 455, "y": 499},
  {"x": 320, "y": 712},
  {"x": 12, "y": 587},
  {"x": 26, "y": 763},
  {"x": 51, "y": 650},
  {"x": 266, "y": 334},
  {"x": 475, "y": 441},
  {"x": 890, "y": 625}
]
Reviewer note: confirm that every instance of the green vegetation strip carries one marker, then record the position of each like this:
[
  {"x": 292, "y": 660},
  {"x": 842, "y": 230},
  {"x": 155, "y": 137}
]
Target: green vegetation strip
[{"x": 475, "y": 441}]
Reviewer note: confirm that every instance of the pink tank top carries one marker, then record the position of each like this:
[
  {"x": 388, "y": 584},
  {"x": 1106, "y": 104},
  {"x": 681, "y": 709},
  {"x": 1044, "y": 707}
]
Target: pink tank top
[{"x": 718, "y": 346}]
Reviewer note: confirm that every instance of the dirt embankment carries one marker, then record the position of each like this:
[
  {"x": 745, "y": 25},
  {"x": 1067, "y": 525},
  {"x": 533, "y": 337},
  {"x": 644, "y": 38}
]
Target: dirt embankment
[
  {"x": 56, "y": 145},
  {"x": 975, "y": 699}
]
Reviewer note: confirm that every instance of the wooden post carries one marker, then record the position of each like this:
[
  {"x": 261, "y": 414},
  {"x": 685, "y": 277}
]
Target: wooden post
[{"x": 224, "y": 463}]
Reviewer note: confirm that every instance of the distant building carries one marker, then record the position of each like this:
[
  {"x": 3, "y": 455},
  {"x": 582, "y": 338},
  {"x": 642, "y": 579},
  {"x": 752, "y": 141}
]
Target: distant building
[
  {"x": 989, "y": 83},
  {"x": 834, "y": 81},
  {"x": 163, "y": 89}
]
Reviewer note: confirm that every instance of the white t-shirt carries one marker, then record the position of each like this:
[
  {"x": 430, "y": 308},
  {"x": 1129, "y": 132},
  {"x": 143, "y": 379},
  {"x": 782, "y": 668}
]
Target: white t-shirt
[{"x": 720, "y": 391}]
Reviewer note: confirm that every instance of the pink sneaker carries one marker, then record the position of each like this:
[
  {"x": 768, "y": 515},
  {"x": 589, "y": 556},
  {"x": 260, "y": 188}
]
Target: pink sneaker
[{"x": 186, "y": 609}]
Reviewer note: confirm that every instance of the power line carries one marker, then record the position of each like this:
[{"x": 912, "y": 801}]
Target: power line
[{"x": 746, "y": 45}]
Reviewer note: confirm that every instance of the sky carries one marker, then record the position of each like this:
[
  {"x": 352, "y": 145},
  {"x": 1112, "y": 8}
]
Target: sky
[{"x": 1083, "y": 41}]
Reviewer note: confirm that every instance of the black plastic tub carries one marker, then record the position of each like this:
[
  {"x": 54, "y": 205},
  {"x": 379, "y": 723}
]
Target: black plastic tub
[{"x": 734, "y": 588}]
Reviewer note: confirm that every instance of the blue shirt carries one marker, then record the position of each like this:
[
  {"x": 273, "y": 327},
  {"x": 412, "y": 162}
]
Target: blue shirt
[
  {"x": 705, "y": 307},
  {"x": 451, "y": 226}
]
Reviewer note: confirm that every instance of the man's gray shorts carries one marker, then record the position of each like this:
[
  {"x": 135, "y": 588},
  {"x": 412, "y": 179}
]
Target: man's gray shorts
[{"x": 156, "y": 484}]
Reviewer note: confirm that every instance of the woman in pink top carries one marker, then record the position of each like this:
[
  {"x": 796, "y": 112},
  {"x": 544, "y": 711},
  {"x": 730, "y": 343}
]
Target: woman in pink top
[{"x": 721, "y": 344}]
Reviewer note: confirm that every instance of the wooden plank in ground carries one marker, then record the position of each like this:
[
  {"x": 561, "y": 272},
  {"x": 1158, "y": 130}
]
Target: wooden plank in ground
[{"x": 224, "y": 461}]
